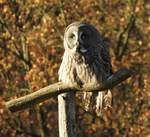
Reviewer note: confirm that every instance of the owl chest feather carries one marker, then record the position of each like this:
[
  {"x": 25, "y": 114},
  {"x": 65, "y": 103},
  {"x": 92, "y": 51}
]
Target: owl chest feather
[{"x": 76, "y": 69}]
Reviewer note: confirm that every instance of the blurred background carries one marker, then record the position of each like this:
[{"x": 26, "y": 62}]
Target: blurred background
[{"x": 31, "y": 49}]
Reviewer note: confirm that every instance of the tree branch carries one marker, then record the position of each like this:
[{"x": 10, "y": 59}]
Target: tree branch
[
  {"x": 18, "y": 53},
  {"x": 55, "y": 89},
  {"x": 123, "y": 37}
]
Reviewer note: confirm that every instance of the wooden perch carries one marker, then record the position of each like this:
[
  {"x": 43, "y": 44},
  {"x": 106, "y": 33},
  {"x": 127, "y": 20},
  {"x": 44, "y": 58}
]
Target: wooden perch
[{"x": 55, "y": 89}]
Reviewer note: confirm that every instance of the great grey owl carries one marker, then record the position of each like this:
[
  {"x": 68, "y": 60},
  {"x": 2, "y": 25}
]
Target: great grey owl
[{"x": 86, "y": 60}]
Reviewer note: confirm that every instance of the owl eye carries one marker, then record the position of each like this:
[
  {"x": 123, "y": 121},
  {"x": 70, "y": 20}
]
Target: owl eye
[
  {"x": 83, "y": 36},
  {"x": 72, "y": 36}
]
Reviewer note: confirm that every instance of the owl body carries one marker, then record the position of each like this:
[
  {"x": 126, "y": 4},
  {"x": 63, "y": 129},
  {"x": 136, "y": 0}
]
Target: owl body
[
  {"x": 76, "y": 69},
  {"x": 85, "y": 61}
]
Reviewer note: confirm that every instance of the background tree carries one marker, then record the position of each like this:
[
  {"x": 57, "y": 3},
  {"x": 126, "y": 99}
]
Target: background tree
[{"x": 31, "y": 35}]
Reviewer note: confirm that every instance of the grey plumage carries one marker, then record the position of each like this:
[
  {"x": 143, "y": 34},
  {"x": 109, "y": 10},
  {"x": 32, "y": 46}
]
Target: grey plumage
[{"x": 86, "y": 60}]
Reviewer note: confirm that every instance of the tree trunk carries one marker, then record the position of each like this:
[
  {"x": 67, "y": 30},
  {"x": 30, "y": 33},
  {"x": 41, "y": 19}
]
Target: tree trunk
[{"x": 66, "y": 106}]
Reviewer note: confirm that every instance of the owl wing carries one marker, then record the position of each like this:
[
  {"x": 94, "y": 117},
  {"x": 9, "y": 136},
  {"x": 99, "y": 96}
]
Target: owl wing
[
  {"x": 104, "y": 55},
  {"x": 104, "y": 98},
  {"x": 102, "y": 62},
  {"x": 66, "y": 69}
]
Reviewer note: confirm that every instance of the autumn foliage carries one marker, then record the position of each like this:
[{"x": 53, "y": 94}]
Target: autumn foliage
[{"x": 31, "y": 49}]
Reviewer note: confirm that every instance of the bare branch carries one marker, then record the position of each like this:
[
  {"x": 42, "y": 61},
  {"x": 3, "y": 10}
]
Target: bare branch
[
  {"x": 18, "y": 53},
  {"x": 123, "y": 37},
  {"x": 55, "y": 89}
]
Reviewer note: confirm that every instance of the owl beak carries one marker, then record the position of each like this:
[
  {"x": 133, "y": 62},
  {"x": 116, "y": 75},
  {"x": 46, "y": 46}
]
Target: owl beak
[
  {"x": 80, "y": 48},
  {"x": 83, "y": 50},
  {"x": 78, "y": 45}
]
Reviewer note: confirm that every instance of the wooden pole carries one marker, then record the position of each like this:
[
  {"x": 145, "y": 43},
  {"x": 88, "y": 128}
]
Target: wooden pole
[
  {"x": 58, "y": 88},
  {"x": 66, "y": 105}
]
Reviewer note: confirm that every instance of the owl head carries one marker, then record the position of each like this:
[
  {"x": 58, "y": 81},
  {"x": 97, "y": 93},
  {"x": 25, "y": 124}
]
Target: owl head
[{"x": 81, "y": 37}]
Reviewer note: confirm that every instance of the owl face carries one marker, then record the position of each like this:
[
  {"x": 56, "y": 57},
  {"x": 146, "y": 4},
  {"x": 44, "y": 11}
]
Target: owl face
[{"x": 80, "y": 37}]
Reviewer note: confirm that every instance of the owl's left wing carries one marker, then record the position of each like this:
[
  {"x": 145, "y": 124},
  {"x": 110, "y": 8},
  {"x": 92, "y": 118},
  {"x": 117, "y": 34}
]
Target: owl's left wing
[
  {"x": 104, "y": 55},
  {"x": 104, "y": 98}
]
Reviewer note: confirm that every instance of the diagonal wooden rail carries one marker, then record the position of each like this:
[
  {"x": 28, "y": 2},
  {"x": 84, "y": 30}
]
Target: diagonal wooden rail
[{"x": 55, "y": 89}]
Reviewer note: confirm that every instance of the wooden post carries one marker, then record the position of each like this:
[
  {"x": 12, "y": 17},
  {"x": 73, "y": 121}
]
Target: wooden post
[
  {"x": 66, "y": 106},
  {"x": 66, "y": 99}
]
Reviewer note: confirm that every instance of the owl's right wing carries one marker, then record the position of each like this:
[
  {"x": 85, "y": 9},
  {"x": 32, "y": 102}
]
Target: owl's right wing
[
  {"x": 67, "y": 71},
  {"x": 64, "y": 70}
]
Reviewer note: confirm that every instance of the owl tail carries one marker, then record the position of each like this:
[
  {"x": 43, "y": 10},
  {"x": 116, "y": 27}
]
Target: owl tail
[
  {"x": 99, "y": 104},
  {"x": 87, "y": 98},
  {"x": 103, "y": 99},
  {"x": 108, "y": 100}
]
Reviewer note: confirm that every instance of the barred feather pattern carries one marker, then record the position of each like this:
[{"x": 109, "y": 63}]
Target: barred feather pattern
[{"x": 93, "y": 67}]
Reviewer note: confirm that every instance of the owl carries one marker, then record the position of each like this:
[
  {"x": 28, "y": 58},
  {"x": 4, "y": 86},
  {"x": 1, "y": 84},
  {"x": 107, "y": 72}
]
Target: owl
[{"x": 86, "y": 60}]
